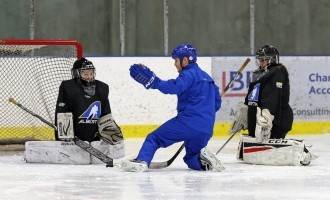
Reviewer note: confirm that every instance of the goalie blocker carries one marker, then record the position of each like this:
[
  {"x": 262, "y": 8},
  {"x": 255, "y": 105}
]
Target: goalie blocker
[
  {"x": 65, "y": 126},
  {"x": 285, "y": 152}
]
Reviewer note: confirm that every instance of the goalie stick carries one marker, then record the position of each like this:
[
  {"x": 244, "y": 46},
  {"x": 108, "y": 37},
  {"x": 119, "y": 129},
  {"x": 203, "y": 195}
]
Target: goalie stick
[
  {"x": 226, "y": 89},
  {"x": 95, "y": 152},
  {"x": 160, "y": 165}
]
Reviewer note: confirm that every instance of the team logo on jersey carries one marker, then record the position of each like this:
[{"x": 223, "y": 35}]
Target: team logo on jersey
[
  {"x": 92, "y": 114},
  {"x": 254, "y": 95},
  {"x": 279, "y": 84}
]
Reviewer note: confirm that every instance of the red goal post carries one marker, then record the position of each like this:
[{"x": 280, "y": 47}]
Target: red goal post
[{"x": 32, "y": 71}]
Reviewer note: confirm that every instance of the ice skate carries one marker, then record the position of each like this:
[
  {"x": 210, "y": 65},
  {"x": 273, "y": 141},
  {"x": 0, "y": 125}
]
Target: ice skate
[
  {"x": 134, "y": 166},
  {"x": 210, "y": 161},
  {"x": 307, "y": 157}
]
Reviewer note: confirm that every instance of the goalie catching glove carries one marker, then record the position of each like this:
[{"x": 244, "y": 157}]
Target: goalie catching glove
[
  {"x": 109, "y": 129},
  {"x": 142, "y": 74},
  {"x": 264, "y": 124},
  {"x": 240, "y": 121}
]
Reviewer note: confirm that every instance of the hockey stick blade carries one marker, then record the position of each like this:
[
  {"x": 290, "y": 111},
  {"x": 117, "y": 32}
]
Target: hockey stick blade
[
  {"x": 95, "y": 152},
  {"x": 160, "y": 165},
  {"x": 153, "y": 165}
]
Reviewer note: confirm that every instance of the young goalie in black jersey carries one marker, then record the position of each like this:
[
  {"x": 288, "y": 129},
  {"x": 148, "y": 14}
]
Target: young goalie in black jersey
[
  {"x": 268, "y": 117},
  {"x": 87, "y": 99}
]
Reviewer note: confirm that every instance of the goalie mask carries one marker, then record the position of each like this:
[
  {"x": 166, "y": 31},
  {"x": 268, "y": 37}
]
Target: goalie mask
[
  {"x": 269, "y": 53},
  {"x": 84, "y": 71},
  {"x": 185, "y": 50}
]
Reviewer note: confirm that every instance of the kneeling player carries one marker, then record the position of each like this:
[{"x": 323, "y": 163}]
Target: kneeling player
[{"x": 267, "y": 115}]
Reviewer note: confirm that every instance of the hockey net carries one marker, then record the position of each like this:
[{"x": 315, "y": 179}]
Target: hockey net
[{"x": 31, "y": 72}]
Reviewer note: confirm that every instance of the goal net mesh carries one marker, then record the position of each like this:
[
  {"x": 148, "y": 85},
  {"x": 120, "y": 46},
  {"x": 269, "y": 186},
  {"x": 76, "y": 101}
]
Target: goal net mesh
[{"x": 31, "y": 74}]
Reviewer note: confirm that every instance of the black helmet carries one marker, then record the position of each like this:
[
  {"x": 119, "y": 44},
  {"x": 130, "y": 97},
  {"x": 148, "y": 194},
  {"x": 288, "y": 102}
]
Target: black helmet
[
  {"x": 268, "y": 52},
  {"x": 80, "y": 65}
]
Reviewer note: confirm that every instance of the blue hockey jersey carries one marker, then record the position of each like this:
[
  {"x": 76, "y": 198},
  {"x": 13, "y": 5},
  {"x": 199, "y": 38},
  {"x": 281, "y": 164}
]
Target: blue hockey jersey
[{"x": 197, "y": 101}]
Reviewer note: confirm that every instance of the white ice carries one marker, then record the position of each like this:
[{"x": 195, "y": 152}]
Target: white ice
[{"x": 21, "y": 180}]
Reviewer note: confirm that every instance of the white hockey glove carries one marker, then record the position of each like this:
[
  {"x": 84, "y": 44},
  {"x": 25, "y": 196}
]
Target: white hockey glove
[
  {"x": 264, "y": 124},
  {"x": 241, "y": 120},
  {"x": 109, "y": 129},
  {"x": 65, "y": 126}
]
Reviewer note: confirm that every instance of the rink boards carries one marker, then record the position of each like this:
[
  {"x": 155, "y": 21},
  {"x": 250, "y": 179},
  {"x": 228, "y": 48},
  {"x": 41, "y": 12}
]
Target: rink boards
[{"x": 139, "y": 111}]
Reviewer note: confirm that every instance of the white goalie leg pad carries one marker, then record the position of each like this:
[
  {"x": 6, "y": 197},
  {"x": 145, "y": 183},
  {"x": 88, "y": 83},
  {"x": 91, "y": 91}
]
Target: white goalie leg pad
[
  {"x": 279, "y": 152},
  {"x": 109, "y": 129},
  {"x": 113, "y": 151},
  {"x": 65, "y": 126},
  {"x": 264, "y": 124},
  {"x": 239, "y": 155},
  {"x": 241, "y": 119},
  {"x": 55, "y": 152}
]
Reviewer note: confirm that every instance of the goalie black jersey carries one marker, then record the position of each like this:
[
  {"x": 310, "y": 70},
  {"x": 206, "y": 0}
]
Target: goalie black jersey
[
  {"x": 270, "y": 89},
  {"x": 86, "y": 109}
]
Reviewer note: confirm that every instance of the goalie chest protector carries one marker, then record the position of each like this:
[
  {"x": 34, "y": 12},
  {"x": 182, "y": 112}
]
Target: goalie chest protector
[{"x": 86, "y": 109}]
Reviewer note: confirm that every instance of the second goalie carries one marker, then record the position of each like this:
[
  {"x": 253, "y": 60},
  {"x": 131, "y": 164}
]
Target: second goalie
[{"x": 87, "y": 99}]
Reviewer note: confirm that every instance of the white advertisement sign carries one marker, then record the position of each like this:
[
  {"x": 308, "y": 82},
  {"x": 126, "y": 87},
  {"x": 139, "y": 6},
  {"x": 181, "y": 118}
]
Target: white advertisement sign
[{"x": 309, "y": 81}]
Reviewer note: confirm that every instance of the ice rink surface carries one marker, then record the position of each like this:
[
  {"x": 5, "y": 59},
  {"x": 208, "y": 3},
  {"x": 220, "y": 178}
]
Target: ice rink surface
[{"x": 21, "y": 180}]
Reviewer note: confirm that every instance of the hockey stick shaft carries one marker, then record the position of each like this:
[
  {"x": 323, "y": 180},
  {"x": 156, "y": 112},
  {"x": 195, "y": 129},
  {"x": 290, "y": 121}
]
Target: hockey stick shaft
[
  {"x": 160, "y": 165},
  {"x": 95, "y": 152},
  {"x": 224, "y": 92},
  {"x": 232, "y": 135},
  {"x": 12, "y": 100},
  {"x": 236, "y": 76}
]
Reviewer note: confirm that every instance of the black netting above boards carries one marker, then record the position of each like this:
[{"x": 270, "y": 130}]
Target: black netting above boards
[{"x": 31, "y": 72}]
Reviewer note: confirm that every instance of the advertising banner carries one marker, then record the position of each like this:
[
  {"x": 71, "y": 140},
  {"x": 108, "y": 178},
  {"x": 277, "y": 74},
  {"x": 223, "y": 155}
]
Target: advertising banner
[{"x": 309, "y": 81}]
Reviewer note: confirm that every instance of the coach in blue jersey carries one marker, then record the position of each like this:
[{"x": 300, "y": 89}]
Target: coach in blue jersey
[
  {"x": 198, "y": 101},
  {"x": 86, "y": 98}
]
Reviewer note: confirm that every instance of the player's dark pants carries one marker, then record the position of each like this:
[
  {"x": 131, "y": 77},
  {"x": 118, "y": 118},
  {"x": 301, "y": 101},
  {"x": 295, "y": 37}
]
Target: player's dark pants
[{"x": 171, "y": 132}]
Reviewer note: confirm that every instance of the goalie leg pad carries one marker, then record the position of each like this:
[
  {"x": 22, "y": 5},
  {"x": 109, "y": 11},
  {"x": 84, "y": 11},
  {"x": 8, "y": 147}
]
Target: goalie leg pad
[
  {"x": 113, "y": 151},
  {"x": 264, "y": 124},
  {"x": 55, "y": 152},
  {"x": 239, "y": 155},
  {"x": 278, "y": 152}
]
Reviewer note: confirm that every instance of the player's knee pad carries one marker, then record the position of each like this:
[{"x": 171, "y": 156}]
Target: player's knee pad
[{"x": 271, "y": 152}]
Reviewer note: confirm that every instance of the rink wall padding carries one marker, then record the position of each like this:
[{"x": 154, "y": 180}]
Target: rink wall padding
[
  {"x": 220, "y": 130},
  {"x": 139, "y": 111}
]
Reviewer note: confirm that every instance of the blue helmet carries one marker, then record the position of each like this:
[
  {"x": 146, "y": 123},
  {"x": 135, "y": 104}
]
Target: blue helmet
[{"x": 183, "y": 50}]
